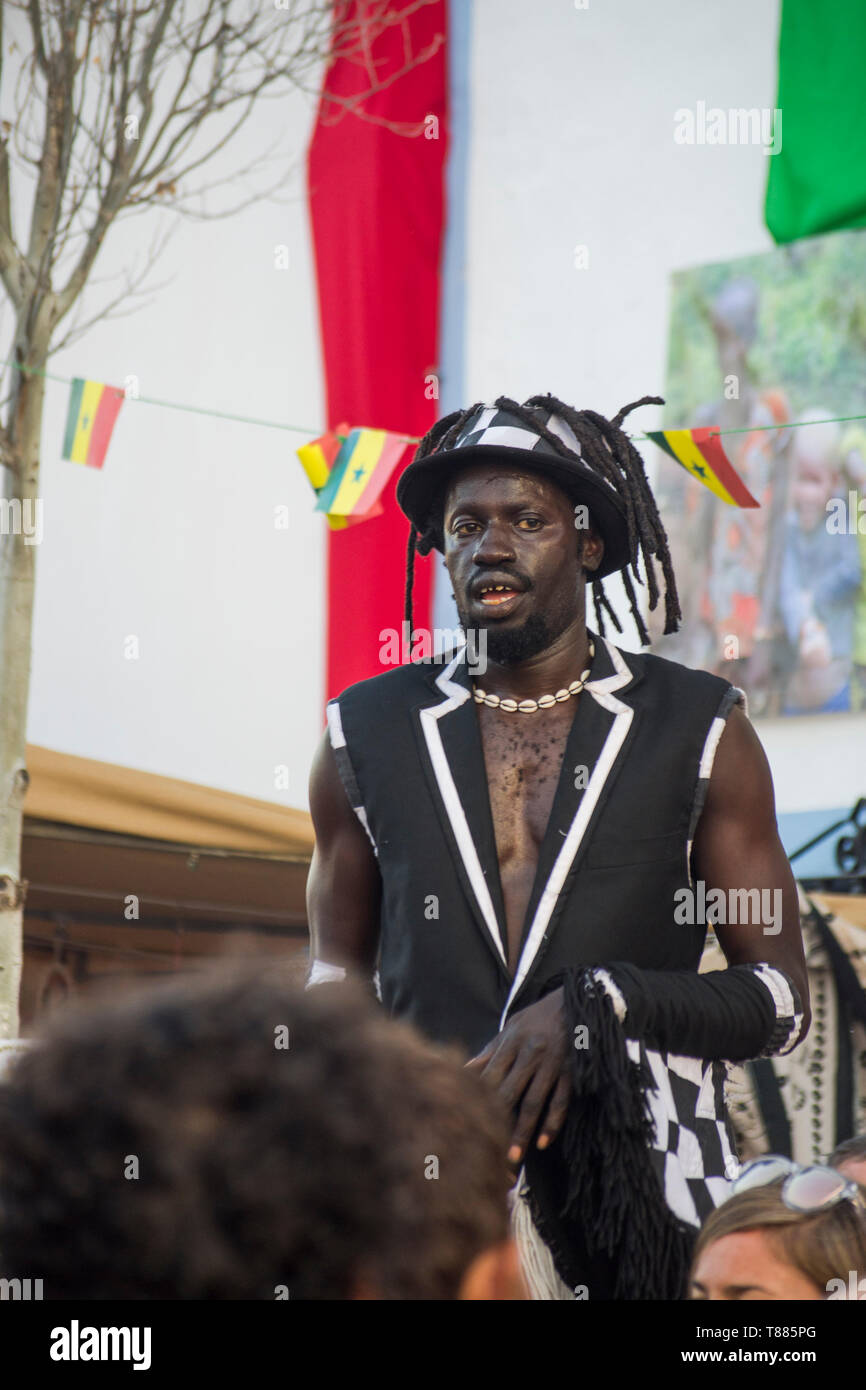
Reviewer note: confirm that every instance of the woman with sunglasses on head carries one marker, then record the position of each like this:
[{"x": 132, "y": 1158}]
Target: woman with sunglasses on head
[{"x": 785, "y": 1232}]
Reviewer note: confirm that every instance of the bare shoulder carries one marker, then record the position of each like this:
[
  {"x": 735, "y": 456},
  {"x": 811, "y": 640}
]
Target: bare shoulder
[
  {"x": 343, "y": 885},
  {"x": 741, "y": 782},
  {"x": 329, "y": 805}
]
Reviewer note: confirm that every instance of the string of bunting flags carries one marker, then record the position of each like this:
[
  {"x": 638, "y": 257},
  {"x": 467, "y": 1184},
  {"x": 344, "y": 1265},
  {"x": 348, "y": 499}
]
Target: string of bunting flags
[{"x": 348, "y": 467}]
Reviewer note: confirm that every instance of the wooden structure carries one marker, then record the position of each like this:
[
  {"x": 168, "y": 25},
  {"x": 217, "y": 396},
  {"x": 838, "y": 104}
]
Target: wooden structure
[{"x": 131, "y": 875}]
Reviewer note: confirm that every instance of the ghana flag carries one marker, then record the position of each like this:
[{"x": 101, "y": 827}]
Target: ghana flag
[
  {"x": 360, "y": 472},
  {"x": 700, "y": 452},
  {"x": 93, "y": 409}
]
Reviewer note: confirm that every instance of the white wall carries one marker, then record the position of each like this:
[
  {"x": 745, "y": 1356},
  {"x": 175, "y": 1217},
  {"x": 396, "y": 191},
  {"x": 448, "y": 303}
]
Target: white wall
[
  {"x": 174, "y": 541},
  {"x": 572, "y": 143}
]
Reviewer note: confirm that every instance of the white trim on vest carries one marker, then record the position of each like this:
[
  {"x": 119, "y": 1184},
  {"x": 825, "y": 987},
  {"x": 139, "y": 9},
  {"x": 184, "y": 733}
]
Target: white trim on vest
[{"x": 456, "y": 695}]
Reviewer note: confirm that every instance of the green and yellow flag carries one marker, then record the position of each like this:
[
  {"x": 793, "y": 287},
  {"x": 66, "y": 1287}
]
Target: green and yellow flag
[{"x": 93, "y": 409}]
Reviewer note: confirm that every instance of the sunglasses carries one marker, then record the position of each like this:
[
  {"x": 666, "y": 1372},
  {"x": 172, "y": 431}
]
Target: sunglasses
[{"x": 804, "y": 1189}]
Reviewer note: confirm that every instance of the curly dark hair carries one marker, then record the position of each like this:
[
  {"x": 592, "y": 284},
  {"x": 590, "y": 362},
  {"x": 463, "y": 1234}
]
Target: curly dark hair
[
  {"x": 609, "y": 452},
  {"x": 262, "y": 1171}
]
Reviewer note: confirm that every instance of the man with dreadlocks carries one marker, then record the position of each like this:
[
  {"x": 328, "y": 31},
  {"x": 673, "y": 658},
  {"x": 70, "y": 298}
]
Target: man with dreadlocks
[{"x": 516, "y": 855}]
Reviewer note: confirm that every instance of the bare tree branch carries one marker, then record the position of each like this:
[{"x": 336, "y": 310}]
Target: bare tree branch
[
  {"x": 36, "y": 30},
  {"x": 175, "y": 70},
  {"x": 134, "y": 99},
  {"x": 117, "y": 106},
  {"x": 131, "y": 288},
  {"x": 11, "y": 266}
]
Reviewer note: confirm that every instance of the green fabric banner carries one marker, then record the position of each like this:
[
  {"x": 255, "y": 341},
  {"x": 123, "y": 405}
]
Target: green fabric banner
[{"x": 817, "y": 181}]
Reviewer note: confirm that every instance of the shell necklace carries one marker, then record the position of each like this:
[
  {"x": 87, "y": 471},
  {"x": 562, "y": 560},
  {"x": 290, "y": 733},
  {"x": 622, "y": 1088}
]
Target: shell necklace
[{"x": 532, "y": 706}]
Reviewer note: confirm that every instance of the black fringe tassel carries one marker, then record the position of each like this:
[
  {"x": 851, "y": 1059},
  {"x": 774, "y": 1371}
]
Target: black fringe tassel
[{"x": 613, "y": 1189}]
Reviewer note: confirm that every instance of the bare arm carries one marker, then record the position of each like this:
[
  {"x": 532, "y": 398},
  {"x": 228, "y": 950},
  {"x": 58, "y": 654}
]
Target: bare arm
[
  {"x": 737, "y": 846},
  {"x": 344, "y": 885}
]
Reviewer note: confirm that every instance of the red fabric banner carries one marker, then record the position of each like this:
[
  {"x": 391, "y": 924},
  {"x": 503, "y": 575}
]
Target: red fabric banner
[{"x": 376, "y": 199}]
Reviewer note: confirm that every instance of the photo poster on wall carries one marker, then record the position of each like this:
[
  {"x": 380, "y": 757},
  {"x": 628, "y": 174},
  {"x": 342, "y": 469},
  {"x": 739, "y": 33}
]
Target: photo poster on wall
[{"x": 773, "y": 598}]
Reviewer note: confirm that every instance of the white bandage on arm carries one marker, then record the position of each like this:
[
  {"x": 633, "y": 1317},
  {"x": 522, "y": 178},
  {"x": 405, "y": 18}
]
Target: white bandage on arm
[{"x": 321, "y": 973}]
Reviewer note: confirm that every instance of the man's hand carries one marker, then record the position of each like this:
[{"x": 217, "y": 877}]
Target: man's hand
[{"x": 527, "y": 1063}]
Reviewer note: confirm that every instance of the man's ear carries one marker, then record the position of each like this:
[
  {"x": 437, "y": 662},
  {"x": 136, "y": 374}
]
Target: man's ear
[
  {"x": 591, "y": 550},
  {"x": 494, "y": 1276}
]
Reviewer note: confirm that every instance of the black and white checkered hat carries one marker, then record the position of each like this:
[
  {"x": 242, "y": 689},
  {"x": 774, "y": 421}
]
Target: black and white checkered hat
[{"x": 495, "y": 435}]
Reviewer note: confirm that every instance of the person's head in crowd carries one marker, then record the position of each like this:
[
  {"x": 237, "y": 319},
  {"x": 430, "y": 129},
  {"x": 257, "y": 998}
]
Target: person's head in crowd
[
  {"x": 816, "y": 467},
  {"x": 754, "y": 1246},
  {"x": 734, "y": 314},
  {"x": 850, "y": 1158},
  {"x": 235, "y": 1137}
]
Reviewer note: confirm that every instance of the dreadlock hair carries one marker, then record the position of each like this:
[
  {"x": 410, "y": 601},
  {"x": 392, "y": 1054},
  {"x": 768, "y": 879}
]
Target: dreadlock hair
[{"x": 606, "y": 449}]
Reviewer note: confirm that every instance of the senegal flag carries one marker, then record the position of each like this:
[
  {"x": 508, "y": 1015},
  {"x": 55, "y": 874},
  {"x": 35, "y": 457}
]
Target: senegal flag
[
  {"x": 700, "y": 452},
  {"x": 360, "y": 472},
  {"x": 93, "y": 409},
  {"x": 319, "y": 457}
]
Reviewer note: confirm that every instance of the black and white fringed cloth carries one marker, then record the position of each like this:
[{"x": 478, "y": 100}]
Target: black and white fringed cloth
[
  {"x": 691, "y": 1147},
  {"x": 635, "y": 1092},
  {"x": 632, "y": 1097}
]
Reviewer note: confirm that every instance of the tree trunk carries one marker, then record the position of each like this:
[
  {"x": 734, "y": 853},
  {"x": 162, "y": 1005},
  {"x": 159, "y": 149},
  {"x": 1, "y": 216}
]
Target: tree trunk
[{"x": 17, "y": 579}]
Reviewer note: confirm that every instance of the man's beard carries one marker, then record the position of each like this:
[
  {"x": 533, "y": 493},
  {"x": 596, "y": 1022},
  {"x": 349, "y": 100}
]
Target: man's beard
[{"x": 508, "y": 647}]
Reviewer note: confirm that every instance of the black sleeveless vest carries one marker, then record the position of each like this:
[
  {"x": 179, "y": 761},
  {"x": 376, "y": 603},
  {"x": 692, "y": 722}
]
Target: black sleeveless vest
[{"x": 617, "y": 848}]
